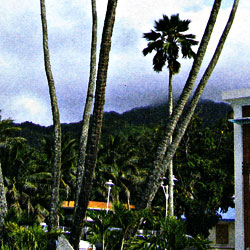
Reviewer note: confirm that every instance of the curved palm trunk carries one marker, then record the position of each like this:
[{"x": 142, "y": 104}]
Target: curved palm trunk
[
  {"x": 183, "y": 125},
  {"x": 53, "y": 220},
  {"x": 3, "y": 202},
  {"x": 170, "y": 166},
  {"x": 201, "y": 86},
  {"x": 93, "y": 144},
  {"x": 88, "y": 105},
  {"x": 154, "y": 178}
]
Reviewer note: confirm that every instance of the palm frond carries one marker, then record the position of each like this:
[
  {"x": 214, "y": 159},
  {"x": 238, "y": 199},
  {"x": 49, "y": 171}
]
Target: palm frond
[
  {"x": 39, "y": 176},
  {"x": 174, "y": 66},
  {"x": 163, "y": 24},
  {"x": 151, "y": 36},
  {"x": 159, "y": 60},
  {"x": 183, "y": 26}
]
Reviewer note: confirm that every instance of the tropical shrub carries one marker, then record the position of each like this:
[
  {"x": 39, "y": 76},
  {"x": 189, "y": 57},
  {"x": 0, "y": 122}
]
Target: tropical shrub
[
  {"x": 111, "y": 228},
  {"x": 171, "y": 235},
  {"x": 17, "y": 237}
]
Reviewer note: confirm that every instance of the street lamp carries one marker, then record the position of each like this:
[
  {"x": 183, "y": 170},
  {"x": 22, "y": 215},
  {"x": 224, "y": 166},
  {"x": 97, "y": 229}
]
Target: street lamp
[
  {"x": 109, "y": 184},
  {"x": 166, "y": 192}
]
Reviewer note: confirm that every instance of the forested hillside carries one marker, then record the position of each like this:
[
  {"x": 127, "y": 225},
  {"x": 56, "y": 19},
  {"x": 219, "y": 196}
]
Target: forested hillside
[
  {"x": 203, "y": 163},
  {"x": 114, "y": 123}
]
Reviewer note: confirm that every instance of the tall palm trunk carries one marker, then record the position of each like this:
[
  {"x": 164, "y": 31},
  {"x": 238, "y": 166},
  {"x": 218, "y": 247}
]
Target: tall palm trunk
[
  {"x": 3, "y": 202},
  {"x": 145, "y": 198},
  {"x": 53, "y": 220},
  {"x": 88, "y": 105},
  {"x": 170, "y": 93},
  {"x": 92, "y": 147},
  {"x": 170, "y": 166},
  {"x": 183, "y": 125}
]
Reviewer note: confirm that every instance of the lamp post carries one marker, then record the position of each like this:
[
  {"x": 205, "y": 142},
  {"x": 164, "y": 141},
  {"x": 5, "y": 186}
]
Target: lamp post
[
  {"x": 109, "y": 184},
  {"x": 166, "y": 192}
]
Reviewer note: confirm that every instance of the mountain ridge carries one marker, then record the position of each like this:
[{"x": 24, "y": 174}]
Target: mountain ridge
[{"x": 151, "y": 115}]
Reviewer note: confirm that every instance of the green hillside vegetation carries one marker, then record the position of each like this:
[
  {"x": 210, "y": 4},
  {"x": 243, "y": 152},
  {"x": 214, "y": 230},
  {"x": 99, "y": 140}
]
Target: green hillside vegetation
[{"x": 203, "y": 165}]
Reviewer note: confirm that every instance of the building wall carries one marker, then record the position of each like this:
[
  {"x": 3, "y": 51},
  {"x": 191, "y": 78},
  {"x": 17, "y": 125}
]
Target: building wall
[{"x": 215, "y": 235}]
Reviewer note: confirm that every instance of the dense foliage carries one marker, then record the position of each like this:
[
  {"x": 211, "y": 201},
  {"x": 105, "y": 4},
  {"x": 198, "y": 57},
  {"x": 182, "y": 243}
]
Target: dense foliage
[
  {"x": 112, "y": 228},
  {"x": 203, "y": 167}
]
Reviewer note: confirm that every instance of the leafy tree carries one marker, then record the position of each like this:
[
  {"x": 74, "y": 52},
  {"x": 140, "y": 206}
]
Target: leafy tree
[
  {"x": 167, "y": 39},
  {"x": 204, "y": 168}
]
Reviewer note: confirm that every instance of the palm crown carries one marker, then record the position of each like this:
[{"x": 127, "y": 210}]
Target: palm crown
[{"x": 167, "y": 40}]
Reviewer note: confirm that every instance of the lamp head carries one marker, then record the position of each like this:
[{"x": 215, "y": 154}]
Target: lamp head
[{"x": 109, "y": 183}]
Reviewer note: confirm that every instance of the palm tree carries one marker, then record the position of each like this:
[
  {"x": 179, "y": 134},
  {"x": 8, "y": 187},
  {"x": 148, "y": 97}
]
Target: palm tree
[
  {"x": 92, "y": 148},
  {"x": 68, "y": 163},
  {"x": 24, "y": 181},
  {"x": 171, "y": 234},
  {"x": 201, "y": 86},
  {"x": 118, "y": 160},
  {"x": 88, "y": 104},
  {"x": 167, "y": 40},
  {"x": 159, "y": 169},
  {"x": 6, "y": 139},
  {"x": 3, "y": 202},
  {"x": 68, "y": 170},
  {"x": 53, "y": 222},
  {"x": 101, "y": 227}
]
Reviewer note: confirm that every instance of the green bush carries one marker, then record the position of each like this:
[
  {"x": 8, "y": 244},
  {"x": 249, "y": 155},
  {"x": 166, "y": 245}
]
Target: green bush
[
  {"x": 17, "y": 237},
  {"x": 171, "y": 235}
]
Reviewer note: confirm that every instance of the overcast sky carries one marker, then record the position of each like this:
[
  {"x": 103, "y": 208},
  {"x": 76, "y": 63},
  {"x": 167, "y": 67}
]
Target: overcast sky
[{"x": 131, "y": 79}]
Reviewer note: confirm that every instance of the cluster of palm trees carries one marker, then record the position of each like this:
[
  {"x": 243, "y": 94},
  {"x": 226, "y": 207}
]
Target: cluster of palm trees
[
  {"x": 27, "y": 171},
  {"x": 167, "y": 40}
]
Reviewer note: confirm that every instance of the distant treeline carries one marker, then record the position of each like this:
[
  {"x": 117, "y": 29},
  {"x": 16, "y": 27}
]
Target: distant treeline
[{"x": 115, "y": 123}]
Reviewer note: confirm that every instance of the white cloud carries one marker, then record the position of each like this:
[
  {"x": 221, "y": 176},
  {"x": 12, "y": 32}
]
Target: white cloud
[{"x": 27, "y": 107}]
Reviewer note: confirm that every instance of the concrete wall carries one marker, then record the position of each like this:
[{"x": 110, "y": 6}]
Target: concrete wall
[{"x": 231, "y": 236}]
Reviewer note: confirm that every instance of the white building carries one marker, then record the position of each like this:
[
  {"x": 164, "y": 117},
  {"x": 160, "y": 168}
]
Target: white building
[
  {"x": 240, "y": 101},
  {"x": 222, "y": 235}
]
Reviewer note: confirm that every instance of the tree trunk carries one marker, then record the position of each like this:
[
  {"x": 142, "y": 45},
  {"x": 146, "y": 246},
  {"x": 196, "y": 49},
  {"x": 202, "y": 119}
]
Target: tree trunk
[
  {"x": 92, "y": 147},
  {"x": 154, "y": 178},
  {"x": 183, "y": 125},
  {"x": 170, "y": 166},
  {"x": 3, "y": 202},
  {"x": 170, "y": 93},
  {"x": 53, "y": 217},
  {"x": 88, "y": 105}
]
